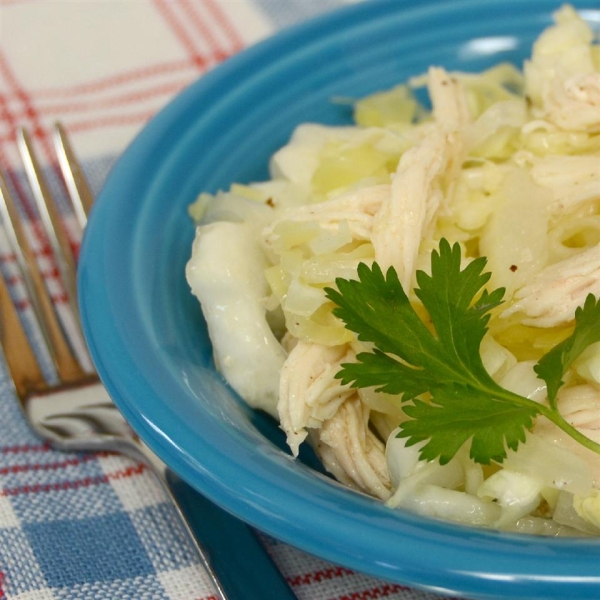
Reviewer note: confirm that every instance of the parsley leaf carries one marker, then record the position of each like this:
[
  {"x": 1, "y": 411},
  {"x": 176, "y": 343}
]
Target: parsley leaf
[
  {"x": 554, "y": 364},
  {"x": 456, "y": 414},
  {"x": 448, "y": 394},
  {"x": 460, "y": 321},
  {"x": 379, "y": 311}
]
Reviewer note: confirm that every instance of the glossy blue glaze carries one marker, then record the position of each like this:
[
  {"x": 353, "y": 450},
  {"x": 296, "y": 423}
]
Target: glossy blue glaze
[{"x": 148, "y": 338}]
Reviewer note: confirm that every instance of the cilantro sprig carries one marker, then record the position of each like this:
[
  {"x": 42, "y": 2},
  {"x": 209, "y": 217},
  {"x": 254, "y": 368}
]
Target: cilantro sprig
[{"x": 448, "y": 394}]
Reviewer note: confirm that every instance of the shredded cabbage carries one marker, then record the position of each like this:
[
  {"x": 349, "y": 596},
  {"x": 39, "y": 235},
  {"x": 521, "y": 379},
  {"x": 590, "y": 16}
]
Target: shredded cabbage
[{"x": 505, "y": 162}]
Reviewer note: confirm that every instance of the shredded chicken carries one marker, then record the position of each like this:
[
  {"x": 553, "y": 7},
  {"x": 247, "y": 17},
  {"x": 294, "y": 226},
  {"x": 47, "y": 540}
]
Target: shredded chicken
[
  {"x": 408, "y": 213},
  {"x": 356, "y": 208},
  {"x": 580, "y": 406},
  {"x": 574, "y": 104},
  {"x": 352, "y": 452},
  {"x": 448, "y": 99},
  {"x": 417, "y": 193},
  {"x": 556, "y": 291},
  {"x": 308, "y": 392},
  {"x": 561, "y": 79},
  {"x": 572, "y": 180}
]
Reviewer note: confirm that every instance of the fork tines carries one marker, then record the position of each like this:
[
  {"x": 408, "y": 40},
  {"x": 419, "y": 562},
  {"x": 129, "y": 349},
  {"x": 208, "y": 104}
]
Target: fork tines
[{"x": 68, "y": 352}]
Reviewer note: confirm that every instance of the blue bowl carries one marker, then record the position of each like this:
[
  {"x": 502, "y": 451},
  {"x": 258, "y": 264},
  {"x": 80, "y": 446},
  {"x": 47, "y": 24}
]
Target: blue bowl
[{"x": 149, "y": 341}]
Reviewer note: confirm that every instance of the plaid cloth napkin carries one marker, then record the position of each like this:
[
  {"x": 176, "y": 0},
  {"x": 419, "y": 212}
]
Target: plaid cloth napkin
[{"x": 98, "y": 527}]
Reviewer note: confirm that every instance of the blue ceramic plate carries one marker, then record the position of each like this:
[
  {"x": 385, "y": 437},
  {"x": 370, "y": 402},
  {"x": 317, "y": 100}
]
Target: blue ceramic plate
[{"x": 146, "y": 331}]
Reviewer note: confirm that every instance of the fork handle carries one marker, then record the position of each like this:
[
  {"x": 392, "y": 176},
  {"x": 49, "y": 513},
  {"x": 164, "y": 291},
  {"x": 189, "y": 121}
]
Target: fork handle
[{"x": 235, "y": 559}]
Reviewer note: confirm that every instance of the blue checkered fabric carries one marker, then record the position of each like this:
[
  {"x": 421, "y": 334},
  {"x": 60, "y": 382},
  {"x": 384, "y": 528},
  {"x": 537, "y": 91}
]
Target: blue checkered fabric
[{"x": 85, "y": 526}]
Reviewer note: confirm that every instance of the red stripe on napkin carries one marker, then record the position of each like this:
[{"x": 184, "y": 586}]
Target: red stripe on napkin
[
  {"x": 55, "y": 487},
  {"x": 225, "y": 24},
  {"x": 118, "y": 79},
  {"x": 170, "y": 16},
  {"x": 131, "y": 97},
  {"x": 17, "y": 449},
  {"x": 14, "y": 279},
  {"x": 99, "y": 122},
  {"x": 53, "y": 466},
  {"x": 36, "y": 129},
  {"x": 205, "y": 31},
  {"x": 76, "y": 484},
  {"x": 382, "y": 591},
  {"x": 38, "y": 132},
  {"x": 318, "y": 576}
]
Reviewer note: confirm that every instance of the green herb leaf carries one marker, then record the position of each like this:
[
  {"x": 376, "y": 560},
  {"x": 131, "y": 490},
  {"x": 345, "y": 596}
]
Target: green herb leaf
[
  {"x": 555, "y": 363},
  {"x": 379, "y": 311},
  {"x": 448, "y": 394},
  {"x": 456, "y": 414},
  {"x": 387, "y": 374},
  {"x": 449, "y": 295}
]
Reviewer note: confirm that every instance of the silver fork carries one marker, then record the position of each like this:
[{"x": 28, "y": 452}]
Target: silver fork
[{"x": 77, "y": 414}]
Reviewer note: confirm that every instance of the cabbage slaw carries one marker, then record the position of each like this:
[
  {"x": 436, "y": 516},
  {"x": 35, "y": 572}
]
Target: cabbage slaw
[{"x": 507, "y": 163}]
